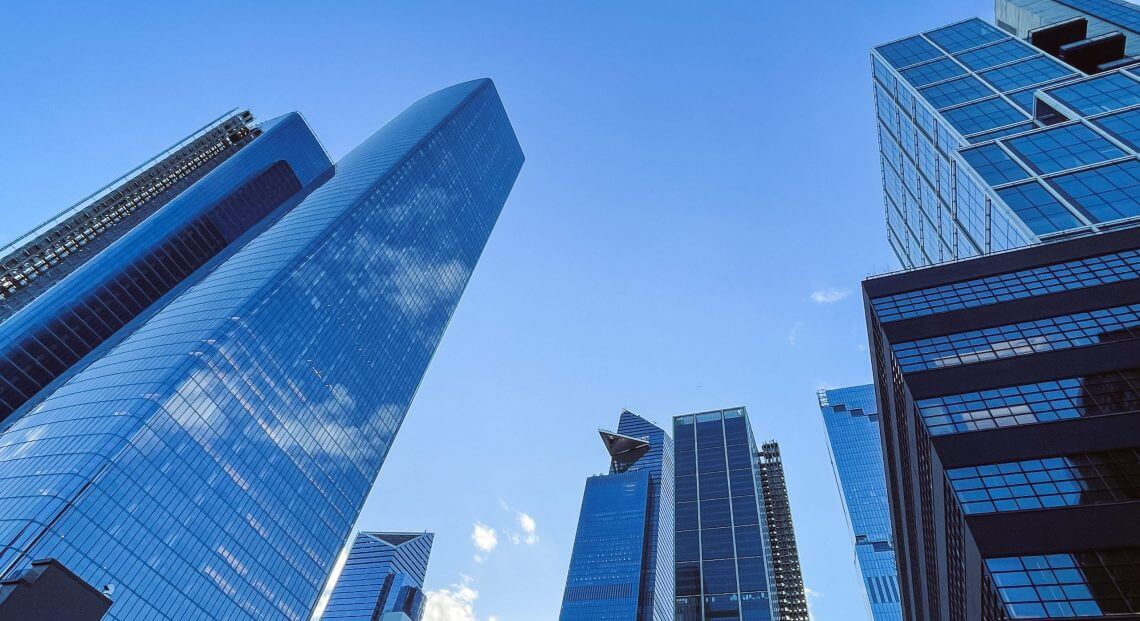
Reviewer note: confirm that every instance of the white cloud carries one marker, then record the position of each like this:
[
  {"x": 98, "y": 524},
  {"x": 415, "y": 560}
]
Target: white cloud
[
  {"x": 811, "y": 597},
  {"x": 794, "y": 333},
  {"x": 456, "y": 603},
  {"x": 530, "y": 529},
  {"x": 484, "y": 537},
  {"x": 829, "y": 295}
]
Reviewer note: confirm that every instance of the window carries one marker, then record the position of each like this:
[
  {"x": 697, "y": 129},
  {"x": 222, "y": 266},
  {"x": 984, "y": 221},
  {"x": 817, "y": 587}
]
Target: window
[
  {"x": 1038, "y": 209},
  {"x": 1063, "y": 147},
  {"x": 956, "y": 92},
  {"x": 1005, "y": 131},
  {"x": 965, "y": 35},
  {"x": 1123, "y": 125},
  {"x": 1036, "y": 70},
  {"x": 1103, "y": 93},
  {"x": 994, "y": 165},
  {"x": 996, "y": 54},
  {"x": 983, "y": 116},
  {"x": 1106, "y": 193},
  {"x": 1079, "y": 584},
  {"x": 909, "y": 51},
  {"x": 931, "y": 72}
]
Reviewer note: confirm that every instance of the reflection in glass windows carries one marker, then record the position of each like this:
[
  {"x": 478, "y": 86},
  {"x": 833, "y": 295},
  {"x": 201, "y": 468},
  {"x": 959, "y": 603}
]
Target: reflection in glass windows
[{"x": 1079, "y": 584}]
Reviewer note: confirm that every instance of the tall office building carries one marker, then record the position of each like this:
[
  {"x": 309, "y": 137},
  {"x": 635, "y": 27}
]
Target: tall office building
[
  {"x": 724, "y": 559},
  {"x": 1009, "y": 388},
  {"x": 622, "y": 565},
  {"x": 989, "y": 142},
  {"x": 788, "y": 580},
  {"x": 852, "y": 422},
  {"x": 383, "y": 579},
  {"x": 205, "y": 364}
]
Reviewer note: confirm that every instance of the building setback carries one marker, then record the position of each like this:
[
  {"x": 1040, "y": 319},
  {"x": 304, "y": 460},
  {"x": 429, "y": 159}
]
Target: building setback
[
  {"x": 786, "y": 575},
  {"x": 724, "y": 558},
  {"x": 1009, "y": 388},
  {"x": 621, "y": 568},
  {"x": 382, "y": 579},
  {"x": 854, "y": 441},
  {"x": 205, "y": 363}
]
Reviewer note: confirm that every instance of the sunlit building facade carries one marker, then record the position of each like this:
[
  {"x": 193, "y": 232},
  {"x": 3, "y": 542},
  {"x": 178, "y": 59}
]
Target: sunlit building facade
[
  {"x": 853, "y": 433},
  {"x": 382, "y": 579},
  {"x": 206, "y": 362},
  {"x": 621, "y": 568}
]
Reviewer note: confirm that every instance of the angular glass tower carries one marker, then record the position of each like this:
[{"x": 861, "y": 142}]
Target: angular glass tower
[
  {"x": 791, "y": 599},
  {"x": 852, "y": 422},
  {"x": 201, "y": 393},
  {"x": 622, "y": 565},
  {"x": 383, "y": 579},
  {"x": 724, "y": 560},
  {"x": 990, "y": 142}
]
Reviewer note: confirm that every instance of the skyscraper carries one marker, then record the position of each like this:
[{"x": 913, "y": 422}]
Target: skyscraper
[
  {"x": 248, "y": 353},
  {"x": 852, "y": 422},
  {"x": 383, "y": 579},
  {"x": 1010, "y": 396},
  {"x": 724, "y": 561},
  {"x": 622, "y": 565},
  {"x": 788, "y": 580},
  {"x": 990, "y": 142}
]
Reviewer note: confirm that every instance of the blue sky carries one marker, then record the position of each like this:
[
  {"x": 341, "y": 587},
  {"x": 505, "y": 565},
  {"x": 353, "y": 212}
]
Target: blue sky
[{"x": 695, "y": 173}]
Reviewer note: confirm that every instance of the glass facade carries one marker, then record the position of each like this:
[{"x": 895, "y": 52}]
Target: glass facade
[
  {"x": 971, "y": 163},
  {"x": 724, "y": 561},
  {"x": 621, "y": 568},
  {"x": 383, "y": 579},
  {"x": 853, "y": 433},
  {"x": 1099, "y": 583},
  {"x": 210, "y": 458},
  {"x": 787, "y": 578}
]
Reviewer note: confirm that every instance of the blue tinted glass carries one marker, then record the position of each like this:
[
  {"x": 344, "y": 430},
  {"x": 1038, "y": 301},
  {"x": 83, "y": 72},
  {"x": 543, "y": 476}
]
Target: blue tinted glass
[
  {"x": 908, "y": 52},
  {"x": 1060, "y": 148},
  {"x": 1090, "y": 583},
  {"x": 1123, "y": 125},
  {"x": 1103, "y": 93},
  {"x": 1025, "y": 73},
  {"x": 936, "y": 71},
  {"x": 955, "y": 92},
  {"x": 384, "y": 573},
  {"x": 994, "y": 164},
  {"x": 1105, "y": 193},
  {"x": 1121, "y": 13},
  {"x": 983, "y": 116},
  {"x": 1040, "y": 211},
  {"x": 1005, "y": 131},
  {"x": 996, "y": 54},
  {"x": 965, "y": 35}
]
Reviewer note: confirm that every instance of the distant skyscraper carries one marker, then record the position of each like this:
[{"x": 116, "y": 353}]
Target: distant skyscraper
[
  {"x": 383, "y": 579},
  {"x": 724, "y": 561},
  {"x": 852, "y": 422},
  {"x": 787, "y": 577},
  {"x": 990, "y": 142},
  {"x": 1009, "y": 388},
  {"x": 622, "y": 565},
  {"x": 205, "y": 364}
]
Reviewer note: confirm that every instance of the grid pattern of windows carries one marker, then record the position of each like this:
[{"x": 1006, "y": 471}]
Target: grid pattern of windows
[
  {"x": 1123, "y": 125},
  {"x": 954, "y": 92},
  {"x": 999, "y": 133},
  {"x": 1105, "y": 193},
  {"x": 384, "y": 572},
  {"x": 909, "y": 51},
  {"x": 1118, "y": 12},
  {"x": 1076, "y": 397},
  {"x": 1036, "y": 70},
  {"x": 1020, "y": 339},
  {"x": 1063, "y": 147},
  {"x": 1103, "y": 93},
  {"x": 931, "y": 72},
  {"x": 1080, "y": 584},
  {"x": 994, "y": 164},
  {"x": 965, "y": 35},
  {"x": 997, "y": 54},
  {"x": 1086, "y": 479},
  {"x": 1079, "y": 274},
  {"x": 1039, "y": 209},
  {"x": 983, "y": 116}
]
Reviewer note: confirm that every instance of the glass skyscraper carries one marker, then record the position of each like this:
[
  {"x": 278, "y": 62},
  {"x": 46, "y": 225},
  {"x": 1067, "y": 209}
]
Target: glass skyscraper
[
  {"x": 787, "y": 578},
  {"x": 990, "y": 142},
  {"x": 852, "y": 422},
  {"x": 621, "y": 568},
  {"x": 383, "y": 579},
  {"x": 724, "y": 561},
  {"x": 206, "y": 363}
]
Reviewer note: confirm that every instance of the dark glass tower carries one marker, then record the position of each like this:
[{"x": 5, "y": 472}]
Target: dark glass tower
[
  {"x": 383, "y": 579},
  {"x": 791, "y": 600},
  {"x": 622, "y": 565},
  {"x": 852, "y": 421},
  {"x": 724, "y": 561},
  {"x": 1009, "y": 388},
  {"x": 196, "y": 411}
]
